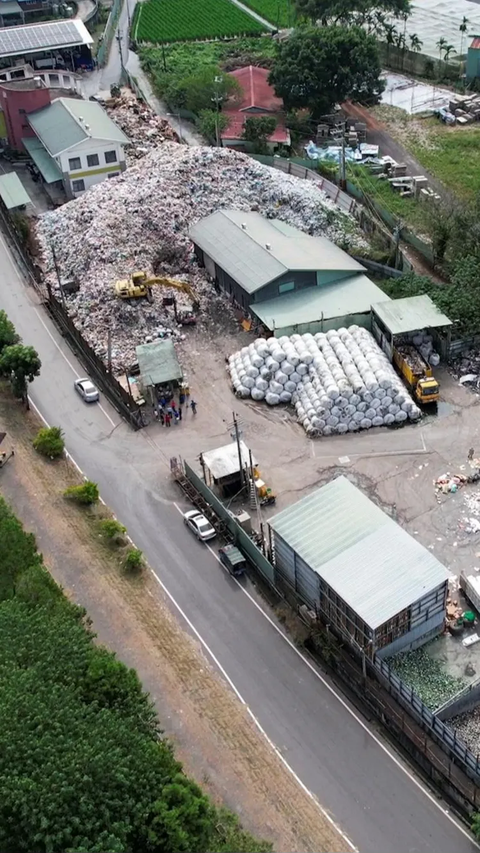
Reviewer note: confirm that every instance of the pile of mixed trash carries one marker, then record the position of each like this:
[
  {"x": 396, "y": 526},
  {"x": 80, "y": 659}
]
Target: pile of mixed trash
[
  {"x": 339, "y": 382},
  {"x": 466, "y": 369},
  {"x": 141, "y": 219},
  {"x": 144, "y": 128}
]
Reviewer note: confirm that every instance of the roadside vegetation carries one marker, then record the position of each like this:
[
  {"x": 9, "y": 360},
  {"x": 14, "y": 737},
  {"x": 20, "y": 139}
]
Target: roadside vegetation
[
  {"x": 49, "y": 442},
  {"x": 76, "y": 723},
  {"x": 19, "y": 364},
  {"x": 451, "y": 154}
]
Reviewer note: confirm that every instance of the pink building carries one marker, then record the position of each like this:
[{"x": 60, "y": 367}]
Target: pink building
[
  {"x": 17, "y": 99},
  {"x": 258, "y": 99}
]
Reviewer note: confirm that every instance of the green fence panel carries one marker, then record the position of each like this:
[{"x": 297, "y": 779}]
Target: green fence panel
[{"x": 241, "y": 538}]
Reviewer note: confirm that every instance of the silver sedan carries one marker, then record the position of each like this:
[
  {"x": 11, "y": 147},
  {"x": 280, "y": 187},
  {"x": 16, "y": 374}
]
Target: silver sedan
[
  {"x": 87, "y": 390},
  {"x": 199, "y": 525}
]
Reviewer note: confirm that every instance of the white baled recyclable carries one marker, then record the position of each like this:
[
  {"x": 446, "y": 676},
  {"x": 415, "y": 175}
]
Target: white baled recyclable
[{"x": 338, "y": 381}]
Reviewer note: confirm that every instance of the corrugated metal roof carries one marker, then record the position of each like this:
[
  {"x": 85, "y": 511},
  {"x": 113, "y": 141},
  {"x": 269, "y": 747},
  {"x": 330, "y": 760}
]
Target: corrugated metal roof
[
  {"x": 45, "y": 164},
  {"x": 224, "y": 461},
  {"x": 158, "y": 362},
  {"x": 67, "y": 121},
  {"x": 353, "y": 295},
  {"x": 10, "y": 8},
  {"x": 243, "y": 252},
  {"x": 374, "y": 565},
  {"x": 410, "y": 314},
  {"x": 12, "y": 191}
]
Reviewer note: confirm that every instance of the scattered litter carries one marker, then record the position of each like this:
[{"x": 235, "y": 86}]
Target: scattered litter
[
  {"x": 339, "y": 382},
  {"x": 471, "y": 640},
  {"x": 141, "y": 219},
  {"x": 468, "y": 378},
  {"x": 467, "y": 728},
  {"x": 145, "y": 129}
]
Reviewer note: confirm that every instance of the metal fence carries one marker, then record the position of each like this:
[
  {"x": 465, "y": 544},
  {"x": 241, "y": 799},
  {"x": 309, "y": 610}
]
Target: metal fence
[
  {"x": 108, "y": 33},
  {"x": 116, "y": 394},
  {"x": 241, "y": 538},
  {"x": 440, "y": 732}
]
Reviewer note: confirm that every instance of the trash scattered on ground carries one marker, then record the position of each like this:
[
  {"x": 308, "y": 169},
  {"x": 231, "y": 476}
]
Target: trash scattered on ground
[
  {"x": 338, "y": 381},
  {"x": 453, "y": 482},
  {"x": 466, "y": 369},
  {"x": 140, "y": 220},
  {"x": 427, "y": 677},
  {"x": 467, "y": 728},
  {"x": 145, "y": 129}
]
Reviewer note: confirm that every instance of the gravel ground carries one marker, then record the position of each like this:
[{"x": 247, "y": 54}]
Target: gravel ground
[{"x": 141, "y": 220}]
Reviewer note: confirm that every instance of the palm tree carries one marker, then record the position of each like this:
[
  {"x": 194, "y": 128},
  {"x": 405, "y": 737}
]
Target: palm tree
[
  {"x": 390, "y": 36},
  {"x": 447, "y": 50},
  {"x": 416, "y": 44},
  {"x": 441, "y": 44},
  {"x": 463, "y": 29}
]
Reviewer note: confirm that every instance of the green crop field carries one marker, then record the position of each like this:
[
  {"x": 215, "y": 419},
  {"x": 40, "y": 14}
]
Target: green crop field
[
  {"x": 158, "y": 21},
  {"x": 280, "y": 13}
]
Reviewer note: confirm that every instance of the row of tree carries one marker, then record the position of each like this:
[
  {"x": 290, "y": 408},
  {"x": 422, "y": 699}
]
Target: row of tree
[
  {"x": 18, "y": 363},
  {"x": 83, "y": 763}
]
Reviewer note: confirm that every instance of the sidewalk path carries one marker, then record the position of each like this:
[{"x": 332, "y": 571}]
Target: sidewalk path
[
  {"x": 85, "y": 8},
  {"x": 185, "y": 129}
]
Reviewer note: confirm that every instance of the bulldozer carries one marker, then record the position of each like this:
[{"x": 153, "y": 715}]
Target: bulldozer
[{"x": 139, "y": 286}]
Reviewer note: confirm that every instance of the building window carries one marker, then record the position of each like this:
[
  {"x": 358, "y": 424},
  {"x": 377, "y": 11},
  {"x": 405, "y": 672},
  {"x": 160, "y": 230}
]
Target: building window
[
  {"x": 92, "y": 160},
  {"x": 113, "y": 175},
  {"x": 74, "y": 163},
  {"x": 22, "y": 112},
  {"x": 53, "y": 79},
  {"x": 286, "y": 286},
  {"x": 110, "y": 156},
  {"x": 78, "y": 186}
]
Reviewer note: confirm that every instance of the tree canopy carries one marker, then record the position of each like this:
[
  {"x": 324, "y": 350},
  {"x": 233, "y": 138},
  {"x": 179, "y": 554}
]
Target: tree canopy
[
  {"x": 319, "y": 67},
  {"x": 83, "y": 764},
  {"x": 257, "y": 129},
  {"x": 349, "y": 11}
]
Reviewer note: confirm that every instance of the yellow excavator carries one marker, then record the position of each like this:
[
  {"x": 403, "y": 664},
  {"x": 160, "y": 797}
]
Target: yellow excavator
[{"x": 140, "y": 284}]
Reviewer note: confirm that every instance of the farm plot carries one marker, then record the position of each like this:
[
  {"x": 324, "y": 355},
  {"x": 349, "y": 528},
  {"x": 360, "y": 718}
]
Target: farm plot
[
  {"x": 280, "y": 13},
  {"x": 158, "y": 21}
]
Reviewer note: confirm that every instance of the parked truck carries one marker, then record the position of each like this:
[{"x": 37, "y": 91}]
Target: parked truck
[{"x": 416, "y": 373}]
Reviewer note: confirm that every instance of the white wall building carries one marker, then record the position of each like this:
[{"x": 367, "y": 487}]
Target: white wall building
[{"x": 82, "y": 142}]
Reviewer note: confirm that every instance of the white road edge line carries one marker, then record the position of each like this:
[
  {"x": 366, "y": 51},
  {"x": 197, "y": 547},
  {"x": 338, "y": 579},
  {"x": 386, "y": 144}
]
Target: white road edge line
[
  {"x": 337, "y": 695},
  {"x": 315, "y": 672},
  {"x": 72, "y": 368}
]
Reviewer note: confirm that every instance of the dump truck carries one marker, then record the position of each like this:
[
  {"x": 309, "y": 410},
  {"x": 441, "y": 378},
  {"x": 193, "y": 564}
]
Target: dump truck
[{"x": 416, "y": 373}]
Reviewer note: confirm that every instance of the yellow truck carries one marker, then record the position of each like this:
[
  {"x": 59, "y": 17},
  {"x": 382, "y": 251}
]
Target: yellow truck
[{"x": 416, "y": 373}]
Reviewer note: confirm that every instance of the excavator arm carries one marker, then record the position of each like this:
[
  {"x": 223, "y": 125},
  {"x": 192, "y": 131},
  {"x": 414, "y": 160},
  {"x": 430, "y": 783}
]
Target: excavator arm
[{"x": 139, "y": 284}]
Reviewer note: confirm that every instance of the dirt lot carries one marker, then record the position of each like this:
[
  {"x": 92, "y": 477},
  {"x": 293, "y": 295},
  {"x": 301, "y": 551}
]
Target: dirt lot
[
  {"x": 396, "y": 467},
  {"x": 214, "y": 736}
]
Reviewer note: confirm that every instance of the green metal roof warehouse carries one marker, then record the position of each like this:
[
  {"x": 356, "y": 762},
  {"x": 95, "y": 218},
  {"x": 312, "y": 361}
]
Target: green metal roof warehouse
[
  {"x": 349, "y": 560},
  {"x": 291, "y": 281}
]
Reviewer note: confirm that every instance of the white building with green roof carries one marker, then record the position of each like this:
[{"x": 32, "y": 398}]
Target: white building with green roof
[{"x": 79, "y": 142}]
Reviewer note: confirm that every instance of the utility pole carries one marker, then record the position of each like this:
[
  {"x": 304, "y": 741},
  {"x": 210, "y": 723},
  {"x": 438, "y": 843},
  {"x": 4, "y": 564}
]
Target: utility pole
[
  {"x": 57, "y": 272},
  {"x": 109, "y": 350},
  {"x": 119, "y": 40},
  {"x": 239, "y": 447},
  {"x": 217, "y": 98},
  {"x": 339, "y": 136}
]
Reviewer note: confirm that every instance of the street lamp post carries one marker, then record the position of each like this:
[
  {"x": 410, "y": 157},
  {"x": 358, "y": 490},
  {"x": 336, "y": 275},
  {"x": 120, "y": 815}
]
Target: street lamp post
[{"x": 217, "y": 99}]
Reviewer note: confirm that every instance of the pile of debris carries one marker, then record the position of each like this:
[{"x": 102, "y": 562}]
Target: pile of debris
[
  {"x": 467, "y": 727},
  {"x": 427, "y": 677},
  {"x": 465, "y": 108},
  {"x": 144, "y": 128},
  {"x": 140, "y": 221},
  {"x": 467, "y": 369}
]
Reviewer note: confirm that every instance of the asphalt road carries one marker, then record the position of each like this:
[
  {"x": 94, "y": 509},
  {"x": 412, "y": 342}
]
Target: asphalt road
[{"x": 370, "y": 793}]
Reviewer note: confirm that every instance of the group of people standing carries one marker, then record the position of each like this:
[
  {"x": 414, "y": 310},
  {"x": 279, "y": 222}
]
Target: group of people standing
[{"x": 167, "y": 409}]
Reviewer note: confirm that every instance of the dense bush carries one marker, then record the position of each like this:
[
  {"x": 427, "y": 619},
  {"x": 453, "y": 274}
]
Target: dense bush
[
  {"x": 86, "y": 494},
  {"x": 49, "y": 442},
  {"x": 83, "y": 763}
]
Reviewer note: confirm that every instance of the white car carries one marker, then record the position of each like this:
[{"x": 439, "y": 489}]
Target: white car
[
  {"x": 87, "y": 390},
  {"x": 200, "y": 526}
]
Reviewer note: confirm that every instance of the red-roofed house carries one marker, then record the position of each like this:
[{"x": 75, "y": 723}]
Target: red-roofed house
[{"x": 257, "y": 99}]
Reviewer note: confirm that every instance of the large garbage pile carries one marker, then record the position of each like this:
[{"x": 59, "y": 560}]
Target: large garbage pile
[
  {"x": 141, "y": 219},
  {"x": 338, "y": 382},
  {"x": 144, "y": 128}
]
